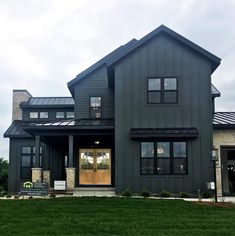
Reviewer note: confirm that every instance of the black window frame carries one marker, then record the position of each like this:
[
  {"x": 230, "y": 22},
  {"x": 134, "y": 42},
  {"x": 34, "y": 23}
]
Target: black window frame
[
  {"x": 31, "y": 112},
  {"x": 95, "y": 107},
  {"x": 162, "y": 90},
  {"x": 57, "y": 112},
  {"x": 43, "y": 112},
  {"x": 31, "y": 154},
  {"x": 171, "y": 158}
]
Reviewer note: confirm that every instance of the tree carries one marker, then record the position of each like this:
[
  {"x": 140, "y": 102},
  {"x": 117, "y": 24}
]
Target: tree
[{"x": 3, "y": 174}]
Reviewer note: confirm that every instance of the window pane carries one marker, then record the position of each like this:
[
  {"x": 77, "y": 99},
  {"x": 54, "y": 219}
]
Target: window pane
[
  {"x": 59, "y": 114},
  {"x": 147, "y": 149},
  {"x": 163, "y": 166},
  {"x": 26, "y": 150},
  {"x": 95, "y": 112},
  {"x": 154, "y": 84},
  {"x": 26, "y": 161},
  {"x": 147, "y": 166},
  {"x": 163, "y": 149},
  {"x": 95, "y": 102},
  {"x": 33, "y": 115},
  {"x": 43, "y": 114},
  {"x": 26, "y": 173},
  {"x": 170, "y": 84},
  {"x": 179, "y": 149},
  {"x": 34, "y": 150},
  {"x": 180, "y": 166},
  {"x": 154, "y": 97},
  {"x": 40, "y": 161},
  {"x": 70, "y": 114},
  {"x": 170, "y": 97}
]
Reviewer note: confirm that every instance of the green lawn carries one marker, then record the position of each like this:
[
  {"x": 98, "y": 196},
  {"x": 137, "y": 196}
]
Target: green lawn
[{"x": 113, "y": 216}]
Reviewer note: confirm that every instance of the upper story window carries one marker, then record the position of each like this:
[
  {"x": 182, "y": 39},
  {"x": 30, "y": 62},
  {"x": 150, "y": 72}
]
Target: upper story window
[
  {"x": 95, "y": 107},
  {"x": 162, "y": 90},
  {"x": 43, "y": 115},
  {"x": 70, "y": 114},
  {"x": 164, "y": 158},
  {"x": 60, "y": 114},
  {"x": 33, "y": 115}
]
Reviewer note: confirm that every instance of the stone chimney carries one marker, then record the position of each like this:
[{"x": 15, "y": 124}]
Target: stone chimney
[{"x": 19, "y": 95}]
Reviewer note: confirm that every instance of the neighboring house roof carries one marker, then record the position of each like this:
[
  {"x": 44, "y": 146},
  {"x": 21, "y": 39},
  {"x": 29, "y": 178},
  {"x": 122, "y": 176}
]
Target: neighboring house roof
[
  {"x": 48, "y": 101},
  {"x": 16, "y": 131},
  {"x": 126, "y": 49},
  {"x": 214, "y": 91},
  {"x": 100, "y": 63},
  {"x": 224, "y": 120}
]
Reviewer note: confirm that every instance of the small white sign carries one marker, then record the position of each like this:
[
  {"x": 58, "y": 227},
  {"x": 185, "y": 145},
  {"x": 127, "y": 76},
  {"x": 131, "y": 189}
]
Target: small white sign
[
  {"x": 59, "y": 185},
  {"x": 211, "y": 185}
]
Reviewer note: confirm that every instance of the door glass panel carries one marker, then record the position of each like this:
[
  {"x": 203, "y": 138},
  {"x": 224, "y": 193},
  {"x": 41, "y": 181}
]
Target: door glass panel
[
  {"x": 103, "y": 160},
  {"x": 87, "y": 160}
]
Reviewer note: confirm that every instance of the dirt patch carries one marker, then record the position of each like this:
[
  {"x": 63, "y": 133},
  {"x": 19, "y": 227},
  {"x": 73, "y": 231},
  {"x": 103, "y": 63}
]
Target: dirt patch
[{"x": 217, "y": 204}]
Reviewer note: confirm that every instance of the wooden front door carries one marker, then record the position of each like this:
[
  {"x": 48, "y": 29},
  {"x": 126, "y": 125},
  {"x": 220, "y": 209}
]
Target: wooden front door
[{"x": 95, "y": 166}]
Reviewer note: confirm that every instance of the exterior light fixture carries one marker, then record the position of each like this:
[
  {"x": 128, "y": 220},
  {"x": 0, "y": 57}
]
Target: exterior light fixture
[
  {"x": 97, "y": 142},
  {"x": 214, "y": 159}
]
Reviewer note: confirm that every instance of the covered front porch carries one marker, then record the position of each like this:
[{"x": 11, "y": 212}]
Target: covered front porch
[{"x": 80, "y": 153}]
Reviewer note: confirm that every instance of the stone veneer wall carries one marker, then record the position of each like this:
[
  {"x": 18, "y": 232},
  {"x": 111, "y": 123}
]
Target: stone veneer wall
[
  {"x": 18, "y": 97},
  {"x": 222, "y": 138}
]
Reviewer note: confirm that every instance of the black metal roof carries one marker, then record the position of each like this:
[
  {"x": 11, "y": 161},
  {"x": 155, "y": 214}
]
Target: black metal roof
[
  {"x": 214, "y": 91},
  {"x": 215, "y": 61},
  {"x": 16, "y": 131},
  {"x": 164, "y": 133},
  {"x": 224, "y": 120},
  {"x": 48, "y": 101}
]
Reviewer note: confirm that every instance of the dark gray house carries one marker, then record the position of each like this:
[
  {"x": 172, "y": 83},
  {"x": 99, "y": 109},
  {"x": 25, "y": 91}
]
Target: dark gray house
[{"x": 140, "y": 118}]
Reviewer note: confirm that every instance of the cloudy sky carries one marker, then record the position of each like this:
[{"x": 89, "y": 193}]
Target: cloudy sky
[{"x": 46, "y": 43}]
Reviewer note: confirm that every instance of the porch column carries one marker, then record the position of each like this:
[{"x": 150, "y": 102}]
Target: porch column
[
  {"x": 70, "y": 170},
  {"x": 37, "y": 170}
]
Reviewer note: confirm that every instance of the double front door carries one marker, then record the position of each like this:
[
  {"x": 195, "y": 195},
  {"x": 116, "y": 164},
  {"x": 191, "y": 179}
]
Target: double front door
[{"x": 95, "y": 166}]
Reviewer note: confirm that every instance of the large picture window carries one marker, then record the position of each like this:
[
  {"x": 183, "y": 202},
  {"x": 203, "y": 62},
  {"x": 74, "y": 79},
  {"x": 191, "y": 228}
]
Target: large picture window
[
  {"x": 162, "y": 90},
  {"x": 164, "y": 158},
  {"x": 95, "y": 107},
  {"x": 28, "y": 161}
]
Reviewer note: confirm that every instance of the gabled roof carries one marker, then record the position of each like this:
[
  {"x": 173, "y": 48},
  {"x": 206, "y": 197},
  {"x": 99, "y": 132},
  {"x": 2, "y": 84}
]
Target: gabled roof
[
  {"x": 126, "y": 49},
  {"x": 48, "y": 101},
  {"x": 215, "y": 61},
  {"x": 224, "y": 120},
  {"x": 98, "y": 64}
]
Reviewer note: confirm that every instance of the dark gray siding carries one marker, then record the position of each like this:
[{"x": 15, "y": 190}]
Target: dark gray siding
[
  {"x": 96, "y": 84},
  {"x": 163, "y": 56}
]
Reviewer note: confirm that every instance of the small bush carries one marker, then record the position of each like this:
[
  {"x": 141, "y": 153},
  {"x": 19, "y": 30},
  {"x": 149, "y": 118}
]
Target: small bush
[
  {"x": 8, "y": 195},
  {"x": 184, "y": 195},
  {"x": 205, "y": 195},
  {"x": 145, "y": 193},
  {"x": 3, "y": 193},
  {"x": 165, "y": 194},
  {"x": 126, "y": 192}
]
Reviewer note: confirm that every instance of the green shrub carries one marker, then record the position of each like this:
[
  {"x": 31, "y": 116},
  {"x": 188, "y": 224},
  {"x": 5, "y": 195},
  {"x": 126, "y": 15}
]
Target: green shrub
[
  {"x": 3, "y": 193},
  {"x": 145, "y": 193},
  {"x": 205, "y": 195},
  {"x": 165, "y": 194},
  {"x": 8, "y": 195},
  {"x": 184, "y": 195},
  {"x": 126, "y": 192}
]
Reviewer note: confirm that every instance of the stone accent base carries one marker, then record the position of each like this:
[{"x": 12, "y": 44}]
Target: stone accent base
[
  {"x": 70, "y": 177},
  {"x": 36, "y": 175},
  {"x": 46, "y": 177}
]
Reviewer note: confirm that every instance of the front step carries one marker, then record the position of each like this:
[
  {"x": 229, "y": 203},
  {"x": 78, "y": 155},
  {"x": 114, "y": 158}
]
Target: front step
[{"x": 98, "y": 192}]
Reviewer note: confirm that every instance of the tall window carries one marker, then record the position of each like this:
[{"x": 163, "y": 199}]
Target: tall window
[
  {"x": 95, "y": 107},
  {"x": 162, "y": 90},
  {"x": 28, "y": 161},
  {"x": 164, "y": 158}
]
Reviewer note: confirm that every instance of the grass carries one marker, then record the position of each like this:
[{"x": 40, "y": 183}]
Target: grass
[{"x": 113, "y": 216}]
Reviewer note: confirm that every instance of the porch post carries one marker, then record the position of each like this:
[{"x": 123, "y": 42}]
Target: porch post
[
  {"x": 70, "y": 170},
  {"x": 37, "y": 170}
]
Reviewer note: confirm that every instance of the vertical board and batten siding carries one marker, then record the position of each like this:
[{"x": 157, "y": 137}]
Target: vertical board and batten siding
[
  {"x": 94, "y": 85},
  {"x": 163, "y": 56}
]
